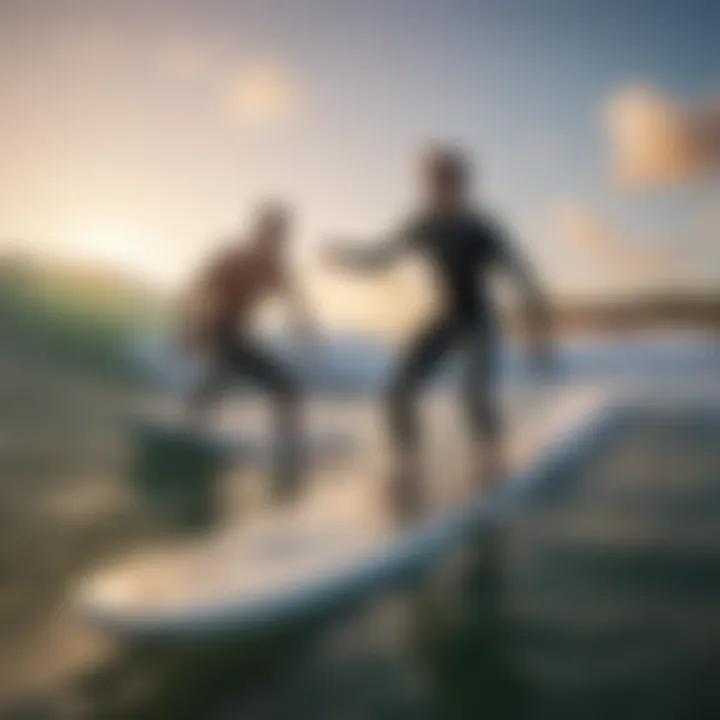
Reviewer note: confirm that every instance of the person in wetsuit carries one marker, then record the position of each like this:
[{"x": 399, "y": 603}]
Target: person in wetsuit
[
  {"x": 218, "y": 312},
  {"x": 463, "y": 245}
]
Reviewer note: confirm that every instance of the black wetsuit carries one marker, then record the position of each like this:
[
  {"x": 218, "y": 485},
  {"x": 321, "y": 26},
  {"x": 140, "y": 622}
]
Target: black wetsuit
[
  {"x": 462, "y": 249},
  {"x": 236, "y": 356}
]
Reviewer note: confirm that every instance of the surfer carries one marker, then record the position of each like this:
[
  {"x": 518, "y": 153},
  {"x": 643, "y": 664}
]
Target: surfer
[
  {"x": 462, "y": 244},
  {"x": 219, "y": 308}
]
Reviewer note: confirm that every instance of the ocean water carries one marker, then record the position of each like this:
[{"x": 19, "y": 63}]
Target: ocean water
[
  {"x": 596, "y": 599},
  {"x": 357, "y": 364},
  {"x": 599, "y": 600}
]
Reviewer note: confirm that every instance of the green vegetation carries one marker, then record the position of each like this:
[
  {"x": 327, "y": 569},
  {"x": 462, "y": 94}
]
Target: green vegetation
[
  {"x": 65, "y": 387},
  {"x": 71, "y": 316}
]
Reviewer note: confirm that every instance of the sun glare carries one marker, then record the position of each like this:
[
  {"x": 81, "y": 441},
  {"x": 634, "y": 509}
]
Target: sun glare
[{"x": 117, "y": 248}]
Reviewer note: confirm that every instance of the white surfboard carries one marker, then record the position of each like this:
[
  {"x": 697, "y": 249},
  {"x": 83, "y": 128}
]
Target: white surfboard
[{"x": 330, "y": 550}]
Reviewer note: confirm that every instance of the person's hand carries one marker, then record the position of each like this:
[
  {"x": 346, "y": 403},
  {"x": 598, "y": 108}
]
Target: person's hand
[{"x": 333, "y": 252}]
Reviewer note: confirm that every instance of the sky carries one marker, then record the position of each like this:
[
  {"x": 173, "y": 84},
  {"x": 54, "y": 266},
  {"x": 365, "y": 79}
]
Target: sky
[{"x": 139, "y": 132}]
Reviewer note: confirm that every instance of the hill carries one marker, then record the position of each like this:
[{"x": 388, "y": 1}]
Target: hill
[{"x": 76, "y": 314}]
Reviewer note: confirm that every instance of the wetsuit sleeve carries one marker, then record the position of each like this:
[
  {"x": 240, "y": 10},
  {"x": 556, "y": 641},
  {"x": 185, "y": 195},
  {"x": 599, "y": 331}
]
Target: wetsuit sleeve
[{"x": 384, "y": 253}]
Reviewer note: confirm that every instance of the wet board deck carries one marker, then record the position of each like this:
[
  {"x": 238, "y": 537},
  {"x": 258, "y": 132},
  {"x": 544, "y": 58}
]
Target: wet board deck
[{"x": 334, "y": 547}]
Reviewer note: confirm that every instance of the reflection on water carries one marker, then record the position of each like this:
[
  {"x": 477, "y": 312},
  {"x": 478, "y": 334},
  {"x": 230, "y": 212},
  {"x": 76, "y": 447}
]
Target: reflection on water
[
  {"x": 597, "y": 599},
  {"x": 613, "y": 584}
]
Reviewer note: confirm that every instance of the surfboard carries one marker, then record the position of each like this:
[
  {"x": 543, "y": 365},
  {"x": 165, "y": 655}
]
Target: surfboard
[{"x": 327, "y": 551}]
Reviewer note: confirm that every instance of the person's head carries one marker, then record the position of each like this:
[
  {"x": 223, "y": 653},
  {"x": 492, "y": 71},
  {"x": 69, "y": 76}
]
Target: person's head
[
  {"x": 445, "y": 176},
  {"x": 272, "y": 224}
]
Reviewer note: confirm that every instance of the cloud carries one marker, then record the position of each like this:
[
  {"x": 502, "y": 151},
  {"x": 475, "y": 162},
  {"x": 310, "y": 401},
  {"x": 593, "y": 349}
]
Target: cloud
[
  {"x": 655, "y": 142},
  {"x": 262, "y": 93},
  {"x": 601, "y": 243},
  {"x": 243, "y": 92}
]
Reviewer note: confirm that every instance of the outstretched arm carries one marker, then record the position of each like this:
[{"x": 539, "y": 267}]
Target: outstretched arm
[{"x": 352, "y": 256}]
